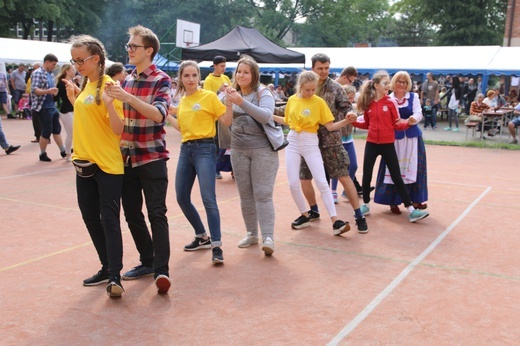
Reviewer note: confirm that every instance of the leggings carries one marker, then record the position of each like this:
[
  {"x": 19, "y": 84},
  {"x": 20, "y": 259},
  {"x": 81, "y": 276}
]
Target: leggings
[
  {"x": 452, "y": 114},
  {"x": 387, "y": 152}
]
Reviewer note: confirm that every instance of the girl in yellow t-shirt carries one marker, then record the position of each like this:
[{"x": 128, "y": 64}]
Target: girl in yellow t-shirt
[
  {"x": 97, "y": 126},
  {"x": 197, "y": 113},
  {"x": 304, "y": 113}
]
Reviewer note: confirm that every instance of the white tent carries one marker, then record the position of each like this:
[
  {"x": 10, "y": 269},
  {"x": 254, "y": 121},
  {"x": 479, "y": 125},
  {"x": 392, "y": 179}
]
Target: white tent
[{"x": 13, "y": 51}]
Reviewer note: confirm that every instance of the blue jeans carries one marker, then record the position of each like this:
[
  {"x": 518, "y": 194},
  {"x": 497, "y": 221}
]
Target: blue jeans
[
  {"x": 99, "y": 199},
  {"x": 199, "y": 160},
  {"x": 150, "y": 180},
  {"x": 3, "y": 140}
]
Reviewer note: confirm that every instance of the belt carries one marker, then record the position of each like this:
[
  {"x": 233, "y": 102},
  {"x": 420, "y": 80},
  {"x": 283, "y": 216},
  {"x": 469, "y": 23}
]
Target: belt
[{"x": 199, "y": 141}]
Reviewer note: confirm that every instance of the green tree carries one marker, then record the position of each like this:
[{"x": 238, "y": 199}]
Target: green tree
[{"x": 460, "y": 22}]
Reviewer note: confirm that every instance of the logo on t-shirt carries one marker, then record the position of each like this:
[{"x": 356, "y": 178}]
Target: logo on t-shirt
[
  {"x": 385, "y": 109},
  {"x": 306, "y": 112},
  {"x": 89, "y": 100},
  {"x": 196, "y": 107}
]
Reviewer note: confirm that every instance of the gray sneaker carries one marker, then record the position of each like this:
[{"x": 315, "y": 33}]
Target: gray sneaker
[
  {"x": 248, "y": 240},
  {"x": 268, "y": 246}
]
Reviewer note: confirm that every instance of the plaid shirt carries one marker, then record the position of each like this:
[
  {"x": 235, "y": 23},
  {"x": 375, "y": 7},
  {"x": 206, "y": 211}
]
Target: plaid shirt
[
  {"x": 38, "y": 81},
  {"x": 142, "y": 140}
]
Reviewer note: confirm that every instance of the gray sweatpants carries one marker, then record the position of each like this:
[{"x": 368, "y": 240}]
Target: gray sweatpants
[{"x": 255, "y": 173}]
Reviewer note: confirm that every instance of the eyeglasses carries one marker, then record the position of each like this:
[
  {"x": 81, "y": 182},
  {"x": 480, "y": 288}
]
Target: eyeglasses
[
  {"x": 133, "y": 47},
  {"x": 401, "y": 82},
  {"x": 80, "y": 61}
]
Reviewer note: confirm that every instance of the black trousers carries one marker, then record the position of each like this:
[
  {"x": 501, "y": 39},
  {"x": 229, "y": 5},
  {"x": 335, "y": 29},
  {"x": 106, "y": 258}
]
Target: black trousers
[{"x": 387, "y": 152}]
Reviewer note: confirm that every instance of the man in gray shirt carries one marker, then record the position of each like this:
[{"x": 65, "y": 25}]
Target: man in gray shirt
[{"x": 18, "y": 84}]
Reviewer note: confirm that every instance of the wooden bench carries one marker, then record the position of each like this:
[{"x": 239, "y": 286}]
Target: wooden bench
[{"x": 473, "y": 126}]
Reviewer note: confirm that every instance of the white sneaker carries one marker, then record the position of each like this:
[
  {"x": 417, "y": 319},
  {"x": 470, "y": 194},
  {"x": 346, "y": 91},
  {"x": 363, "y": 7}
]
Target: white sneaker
[
  {"x": 248, "y": 240},
  {"x": 268, "y": 246}
]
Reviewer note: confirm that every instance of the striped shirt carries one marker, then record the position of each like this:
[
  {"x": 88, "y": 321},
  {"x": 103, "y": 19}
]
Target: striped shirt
[{"x": 143, "y": 140}]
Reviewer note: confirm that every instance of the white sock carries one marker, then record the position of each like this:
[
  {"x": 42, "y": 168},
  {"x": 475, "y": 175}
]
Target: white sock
[{"x": 410, "y": 209}]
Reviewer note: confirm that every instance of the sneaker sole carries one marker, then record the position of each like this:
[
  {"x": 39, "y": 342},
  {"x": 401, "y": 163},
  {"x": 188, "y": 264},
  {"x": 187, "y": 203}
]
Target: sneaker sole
[
  {"x": 96, "y": 283},
  {"x": 199, "y": 248},
  {"x": 419, "y": 218},
  {"x": 268, "y": 251},
  {"x": 362, "y": 231},
  {"x": 163, "y": 284},
  {"x": 342, "y": 230},
  {"x": 114, "y": 290},
  {"x": 217, "y": 261},
  {"x": 125, "y": 277},
  {"x": 303, "y": 225},
  {"x": 312, "y": 219}
]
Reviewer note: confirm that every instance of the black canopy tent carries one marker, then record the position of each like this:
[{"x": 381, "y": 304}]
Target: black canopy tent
[{"x": 240, "y": 41}]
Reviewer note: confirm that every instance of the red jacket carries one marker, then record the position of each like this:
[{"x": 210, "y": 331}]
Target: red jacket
[{"x": 381, "y": 119}]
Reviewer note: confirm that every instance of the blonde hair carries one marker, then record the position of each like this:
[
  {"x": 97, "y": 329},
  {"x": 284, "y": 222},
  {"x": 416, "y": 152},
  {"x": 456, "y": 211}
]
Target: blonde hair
[
  {"x": 306, "y": 77},
  {"x": 401, "y": 75},
  {"x": 349, "y": 89},
  {"x": 181, "y": 89},
  {"x": 63, "y": 71},
  {"x": 490, "y": 93},
  {"x": 255, "y": 73},
  {"x": 367, "y": 93},
  {"x": 94, "y": 47}
]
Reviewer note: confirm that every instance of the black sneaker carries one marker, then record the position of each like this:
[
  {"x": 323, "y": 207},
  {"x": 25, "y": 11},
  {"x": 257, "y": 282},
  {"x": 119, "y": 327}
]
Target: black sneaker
[
  {"x": 361, "y": 224},
  {"x": 44, "y": 157},
  {"x": 96, "y": 279},
  {"x": 340, "y": 227},
  {"x": 63, "y": 153},
  {"x": 114, "y": 287},
  {"x": 360, "y": 192},
  {"x": 12, "y": 149},
  {"x": 301, "y": 222},
  {"x": 313, "y": 215},
  {"x": 217, "y": 257},
  {"x": 197, "y": 244}
]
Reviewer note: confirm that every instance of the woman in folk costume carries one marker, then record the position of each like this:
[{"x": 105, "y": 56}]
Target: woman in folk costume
[{"x": 410, "y": 149}]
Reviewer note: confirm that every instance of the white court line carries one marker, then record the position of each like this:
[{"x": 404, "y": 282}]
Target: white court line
[
  {"x": 377, "y": 300},
  {"x": 34, "y": 173}
]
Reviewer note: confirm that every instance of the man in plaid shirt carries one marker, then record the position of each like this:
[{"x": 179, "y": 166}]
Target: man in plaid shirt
[
  {"x": 43, "y": 90},
  {"x": 146, "y": 97}
]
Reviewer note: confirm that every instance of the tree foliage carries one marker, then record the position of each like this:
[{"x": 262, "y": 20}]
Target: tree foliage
[{"x": 459, "y": 22}]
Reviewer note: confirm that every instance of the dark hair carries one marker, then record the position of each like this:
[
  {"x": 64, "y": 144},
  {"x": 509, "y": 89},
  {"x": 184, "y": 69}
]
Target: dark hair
[
  {"x": 50, "y": 57},
  {"x": 219, "y": 59},
  {"x": 114, "y": 69},
  {"x": 149, "y": 38},
  {"x": 323, "y": 58},
  {"x": 94, "y": 47}
]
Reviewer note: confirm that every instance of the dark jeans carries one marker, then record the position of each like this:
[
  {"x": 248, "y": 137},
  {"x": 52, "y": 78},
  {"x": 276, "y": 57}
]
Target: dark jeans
[
  {"x": 36, "y": 124},
  {"x": 99, "y": 199},
  {"x": 152, "y": 181},
  {"x": 387, "y": 152}
]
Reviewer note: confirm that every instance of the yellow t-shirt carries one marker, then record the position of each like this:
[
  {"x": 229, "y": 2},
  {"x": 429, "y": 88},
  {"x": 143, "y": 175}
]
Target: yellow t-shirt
[
  {"x": 213, "y": 83},
  {"x": 306, "y": 114},
  {"x": 197, "y": 114},
  {"x": 94, "y": 139}
]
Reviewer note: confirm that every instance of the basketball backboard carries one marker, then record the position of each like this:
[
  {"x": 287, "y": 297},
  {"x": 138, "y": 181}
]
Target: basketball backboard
[{"x": 188, "y": 34}]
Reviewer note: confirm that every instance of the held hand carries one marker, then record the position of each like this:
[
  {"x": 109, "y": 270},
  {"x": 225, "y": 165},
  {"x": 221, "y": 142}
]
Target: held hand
[
  {"x": 234, "y": 96},
  {"x": 172, "y": 110},
  {"x": 115, "y": 91},
  {"x": 107, "y": 99},
  {"x": 352, "y": 117},
  {"x": 412, "y": 121}
]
